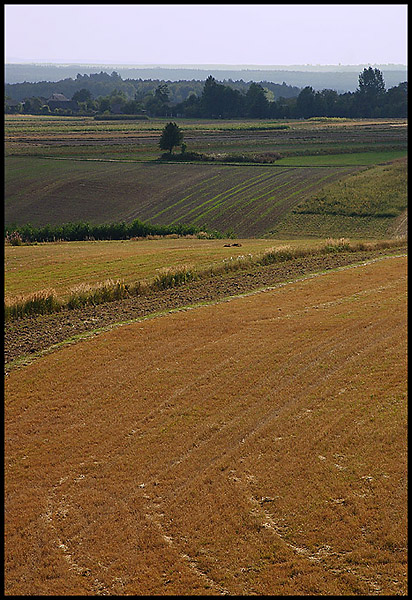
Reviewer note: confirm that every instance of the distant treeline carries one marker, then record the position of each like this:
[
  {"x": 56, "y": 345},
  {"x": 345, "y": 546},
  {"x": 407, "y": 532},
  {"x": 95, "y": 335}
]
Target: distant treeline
[
  {"x": 70, "y": 232},
  {"x": 104, "y": 94},
  {"x": 342, "y": 78},
  {"x": 104, "y": 84}
]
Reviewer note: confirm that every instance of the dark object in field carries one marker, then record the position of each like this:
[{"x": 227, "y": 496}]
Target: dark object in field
[
  {"x": 229, "y": 245},
  {"x": 236, "y": 244}
]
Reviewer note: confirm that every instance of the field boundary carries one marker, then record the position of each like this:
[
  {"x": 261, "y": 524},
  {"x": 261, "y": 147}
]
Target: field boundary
[
  {"x": 191, "y": 162},
  {"x": 25, "y": 360}
]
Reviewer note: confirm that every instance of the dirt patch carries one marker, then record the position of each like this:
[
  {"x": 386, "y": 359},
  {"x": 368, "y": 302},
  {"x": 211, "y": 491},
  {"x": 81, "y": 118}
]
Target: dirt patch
[{"x": 29, "y": 336}]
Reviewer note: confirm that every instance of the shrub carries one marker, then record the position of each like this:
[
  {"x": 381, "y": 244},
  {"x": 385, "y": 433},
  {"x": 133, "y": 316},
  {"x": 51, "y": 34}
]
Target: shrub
[
  {"x": 169, "y": 277},
  {"x": 106, "y": 231},
  {"x": 341, "y": 245},
  {"x": 14, "y": 238}
]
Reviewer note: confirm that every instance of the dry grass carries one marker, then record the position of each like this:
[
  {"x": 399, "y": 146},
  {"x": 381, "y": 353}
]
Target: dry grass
[
  {"x": 252, "y": 447},
  {"x": 47, "y": 301},
  {"x": 64, "y": 265}
]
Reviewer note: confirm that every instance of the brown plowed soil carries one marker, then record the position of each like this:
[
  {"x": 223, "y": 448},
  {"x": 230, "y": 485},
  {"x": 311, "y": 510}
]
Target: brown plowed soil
[{"x": 29, "y": 336}]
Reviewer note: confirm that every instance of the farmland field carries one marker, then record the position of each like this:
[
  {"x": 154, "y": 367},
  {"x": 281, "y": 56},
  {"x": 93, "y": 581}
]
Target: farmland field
[
  {"x": 62, "y": 169},
  {"x": 370, "y": 203},
  {"x": 245, "y": 199},
  {"x": 87, "y": 138},
  {"x": 64, "y": 265},
  {"x": 256, "y": 446},
  {"x": 238, "y": 432}
]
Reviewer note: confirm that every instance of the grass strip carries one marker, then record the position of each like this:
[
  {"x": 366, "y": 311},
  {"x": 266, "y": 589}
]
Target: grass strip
[{"x": 46, "y": 301}]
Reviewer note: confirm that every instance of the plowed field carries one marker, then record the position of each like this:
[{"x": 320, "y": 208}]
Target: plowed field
[
  {"x": 256, "y": 446},
  {"x": 246, "y": 199}
]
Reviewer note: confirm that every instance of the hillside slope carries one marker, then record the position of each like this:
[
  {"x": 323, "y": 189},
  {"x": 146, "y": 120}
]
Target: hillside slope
[{"x": 246, "y": 199}]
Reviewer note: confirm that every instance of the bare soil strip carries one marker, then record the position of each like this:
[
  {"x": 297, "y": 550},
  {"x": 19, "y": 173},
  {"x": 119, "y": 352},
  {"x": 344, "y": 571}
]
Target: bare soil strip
[{"x": 26, "y": 338}]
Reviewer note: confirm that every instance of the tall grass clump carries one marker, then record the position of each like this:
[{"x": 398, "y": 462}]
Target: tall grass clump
[
  {"x": 172, "y": 277},
  {"x": 14, "y": 238},
  {"x": 38, "y": 303},
  {"x": 339, "y": 245},
  {"x": 277, "y": 254},
  {"x": 97, "y": 294}
]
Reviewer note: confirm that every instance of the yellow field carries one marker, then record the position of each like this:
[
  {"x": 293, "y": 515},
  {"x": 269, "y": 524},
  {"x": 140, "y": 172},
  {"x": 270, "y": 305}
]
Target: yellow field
[
  {"x": 65, "y": 265},
  {"x": 256, "y": 446}
]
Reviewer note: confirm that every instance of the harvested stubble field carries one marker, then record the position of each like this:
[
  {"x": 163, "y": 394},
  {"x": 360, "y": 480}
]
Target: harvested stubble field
[
  {"x": 63, "y": 266},
  {"x": 28, "y": 335},
  {"x": 254, "y": 446}
]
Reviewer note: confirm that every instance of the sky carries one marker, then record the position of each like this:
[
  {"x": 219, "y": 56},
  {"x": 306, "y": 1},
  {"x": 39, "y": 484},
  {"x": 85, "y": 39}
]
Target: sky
[{"x": 200, "y": 34}]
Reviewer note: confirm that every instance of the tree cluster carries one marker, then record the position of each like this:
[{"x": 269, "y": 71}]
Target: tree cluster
[{"x": 370, "y": 100}]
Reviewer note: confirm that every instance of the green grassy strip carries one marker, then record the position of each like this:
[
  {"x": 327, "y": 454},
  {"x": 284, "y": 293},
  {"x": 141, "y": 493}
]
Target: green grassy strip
[
  {"x": 225, "y": 196},
  {"x": 343, "y": 159},
  {"x": 241, "y": 199},
  {"x": 273, "y": 189},
  {"x": 272, "y": 199},
  {"x": 286, "y": 199}
]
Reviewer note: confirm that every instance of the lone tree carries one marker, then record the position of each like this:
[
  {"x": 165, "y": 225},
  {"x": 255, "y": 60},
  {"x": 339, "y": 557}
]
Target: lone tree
[
  {"x": 171, "y": 136},
  {"x": 370, "y": 92}
]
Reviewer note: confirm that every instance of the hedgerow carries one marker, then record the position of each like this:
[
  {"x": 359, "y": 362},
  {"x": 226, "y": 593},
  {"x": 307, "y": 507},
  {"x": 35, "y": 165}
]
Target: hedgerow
[{"x": 80, "y": 231}]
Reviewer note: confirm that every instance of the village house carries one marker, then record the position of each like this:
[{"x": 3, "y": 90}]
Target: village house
[{"x": 60, "y": 101}]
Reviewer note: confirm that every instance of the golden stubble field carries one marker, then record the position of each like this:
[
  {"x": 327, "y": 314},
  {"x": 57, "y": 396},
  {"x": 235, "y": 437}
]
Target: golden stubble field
[
  {"x": 255, "y": 446},
  {"x": 64, "y": 266}
]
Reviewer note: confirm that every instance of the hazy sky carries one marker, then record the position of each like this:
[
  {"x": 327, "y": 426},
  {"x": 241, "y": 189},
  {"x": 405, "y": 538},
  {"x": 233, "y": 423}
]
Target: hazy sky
[{"x": 235, "y": 34}]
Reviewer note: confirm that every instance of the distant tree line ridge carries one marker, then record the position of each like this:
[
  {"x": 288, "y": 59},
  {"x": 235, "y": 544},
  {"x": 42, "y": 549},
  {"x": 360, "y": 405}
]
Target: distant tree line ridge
[
  {"x": 104, "y": 94},
  {"x": 342, "y": 78},
  {"x": 104, "y": 84}
]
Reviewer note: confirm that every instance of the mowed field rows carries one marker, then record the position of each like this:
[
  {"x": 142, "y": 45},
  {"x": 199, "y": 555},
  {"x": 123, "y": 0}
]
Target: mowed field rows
[
  {"x": 256, "y": 446},
  {"x": 63, "y": 266},
  {"x": 85, "y": 137},
  {"x": 247, "y": 200}
]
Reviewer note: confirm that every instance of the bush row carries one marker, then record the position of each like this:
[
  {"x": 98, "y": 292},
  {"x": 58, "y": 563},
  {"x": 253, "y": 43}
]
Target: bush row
[
  {"x": 17, "y": 235},
  {"x": 261, "y": 158}
]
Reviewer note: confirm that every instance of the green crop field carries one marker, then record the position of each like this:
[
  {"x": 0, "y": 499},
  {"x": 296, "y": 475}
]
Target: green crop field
[{"x": 372, "y": 202}]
